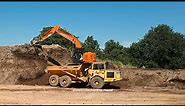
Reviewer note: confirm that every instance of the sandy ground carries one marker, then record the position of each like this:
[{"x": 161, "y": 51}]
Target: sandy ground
[
  {"x": 24, "y": 65},
  {"x": 23, "y": 94}
]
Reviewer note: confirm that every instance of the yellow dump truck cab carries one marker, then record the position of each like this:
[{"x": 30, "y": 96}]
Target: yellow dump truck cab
[
  {"x": 96, "y": 74},
  {"x": 98, "y": 70}
]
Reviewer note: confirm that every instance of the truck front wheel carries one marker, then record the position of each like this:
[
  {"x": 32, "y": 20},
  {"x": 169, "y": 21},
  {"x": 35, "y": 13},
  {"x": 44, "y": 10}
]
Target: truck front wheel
[
  {"x": 54, "y": 80},
  {"x": 97, "y": 82},
  {"x": 65, "y": 81}
]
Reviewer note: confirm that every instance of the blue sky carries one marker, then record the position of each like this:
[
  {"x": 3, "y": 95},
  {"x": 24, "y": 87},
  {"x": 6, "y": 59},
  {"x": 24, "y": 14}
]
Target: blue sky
[{"x": 125, "y": 22}]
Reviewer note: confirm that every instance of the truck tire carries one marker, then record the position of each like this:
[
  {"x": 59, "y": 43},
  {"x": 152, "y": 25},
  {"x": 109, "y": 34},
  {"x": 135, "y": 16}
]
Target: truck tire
[
  {"x": 54, "y": 80},
  {"x": 97, "y": 82},
  {"x": 65, "y": 81}
]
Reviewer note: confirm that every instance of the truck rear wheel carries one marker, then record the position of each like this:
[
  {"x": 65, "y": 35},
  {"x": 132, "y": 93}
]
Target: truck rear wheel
[
  {"x": 54, "y": 80},
  {"x": 65, "y": 81},
  {"x": 97, "y": 82}
]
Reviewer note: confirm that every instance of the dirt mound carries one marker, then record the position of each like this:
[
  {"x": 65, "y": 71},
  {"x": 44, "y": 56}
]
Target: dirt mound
[
  {"x": 152, "y": 78},
  {"x": 56, "y": 54},
  {"x": 23, "y": 64}
]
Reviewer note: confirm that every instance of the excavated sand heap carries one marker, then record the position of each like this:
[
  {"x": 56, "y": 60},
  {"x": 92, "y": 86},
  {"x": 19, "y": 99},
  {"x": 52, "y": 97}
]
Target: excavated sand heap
[
  {"x": 152, "y": 78},
  {"x": 22, "y": 64},
  {"x": 25, "y": 64}
]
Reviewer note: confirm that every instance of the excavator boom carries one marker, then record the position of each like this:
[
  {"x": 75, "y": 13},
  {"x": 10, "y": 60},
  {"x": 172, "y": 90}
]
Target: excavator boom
[
  {"x": 49, "y": 33},
  {"x": 71, "y": 38},
  {"x": 88, "y": 57},
  {"x": 57, "y": 30}
]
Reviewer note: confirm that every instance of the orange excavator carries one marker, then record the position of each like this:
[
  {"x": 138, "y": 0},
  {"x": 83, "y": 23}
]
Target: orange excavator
[
  {"x": 88, "y": 72},
  {"x": 79, "y": 56}
]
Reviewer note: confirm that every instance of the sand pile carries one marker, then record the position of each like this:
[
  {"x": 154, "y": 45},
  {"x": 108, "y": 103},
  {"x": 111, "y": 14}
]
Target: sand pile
[
  {"x": 152, "y": 78},
  {"x": 56, "y": 54},
  {"x": 25, "y": 64}
]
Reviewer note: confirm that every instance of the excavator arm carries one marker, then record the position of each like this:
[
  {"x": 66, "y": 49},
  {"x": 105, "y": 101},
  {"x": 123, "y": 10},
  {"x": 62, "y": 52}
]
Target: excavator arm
[
  {"x": 78, "y": 55},
  {"x": 56, "y": 30}
]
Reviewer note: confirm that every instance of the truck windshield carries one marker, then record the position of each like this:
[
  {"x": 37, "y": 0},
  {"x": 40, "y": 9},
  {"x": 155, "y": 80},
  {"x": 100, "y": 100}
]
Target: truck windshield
[{"x": 98, "y": 66}]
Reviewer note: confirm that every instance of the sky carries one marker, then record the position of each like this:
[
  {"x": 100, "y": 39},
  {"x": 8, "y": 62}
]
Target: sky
[{"x": 125, "y": 22}]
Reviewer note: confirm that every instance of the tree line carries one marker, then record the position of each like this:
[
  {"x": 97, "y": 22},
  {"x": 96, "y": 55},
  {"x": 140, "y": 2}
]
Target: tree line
[{"x": 161, "y": 47}]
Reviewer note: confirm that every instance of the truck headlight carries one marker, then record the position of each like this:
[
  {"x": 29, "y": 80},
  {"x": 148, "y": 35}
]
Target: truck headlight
[{"x": 118, "y": 74}]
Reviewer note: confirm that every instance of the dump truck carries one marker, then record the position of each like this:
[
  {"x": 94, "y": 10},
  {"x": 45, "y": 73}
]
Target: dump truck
[
  {"x": 85, "y": 68},
  {"x": 95, "y": 74}
]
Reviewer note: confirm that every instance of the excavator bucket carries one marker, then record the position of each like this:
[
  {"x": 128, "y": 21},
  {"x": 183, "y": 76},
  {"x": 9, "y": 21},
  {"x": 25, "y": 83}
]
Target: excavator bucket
[{"x": 35, "y": 40}]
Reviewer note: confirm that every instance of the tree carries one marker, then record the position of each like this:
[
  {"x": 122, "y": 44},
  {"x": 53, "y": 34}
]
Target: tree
[
  {"x": 91, "y": 45},
  {"x": 116, "y": 52},
  {"x": 161, "y": 47}
]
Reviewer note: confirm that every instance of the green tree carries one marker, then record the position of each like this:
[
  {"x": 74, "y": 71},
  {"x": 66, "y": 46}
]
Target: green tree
[
  {"x": 161, "y": 47},
  {"x": 92, "y": 45},
  {"x": 116, "y": 52}
]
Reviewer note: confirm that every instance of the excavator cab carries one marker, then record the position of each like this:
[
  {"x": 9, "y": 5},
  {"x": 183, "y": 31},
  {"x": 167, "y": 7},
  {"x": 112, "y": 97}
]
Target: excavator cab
[{"x": 77, "y": 55}]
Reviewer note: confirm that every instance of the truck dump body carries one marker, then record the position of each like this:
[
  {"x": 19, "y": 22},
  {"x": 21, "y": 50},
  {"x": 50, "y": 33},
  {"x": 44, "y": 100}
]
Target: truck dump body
[
  {"x": 59, "y": 70},
  {"x": 74, "y": 71}
]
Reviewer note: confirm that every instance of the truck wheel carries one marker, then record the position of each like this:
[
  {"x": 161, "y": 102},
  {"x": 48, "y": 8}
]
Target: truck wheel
[
  {"x": 65, "y": 81},
  {"x": 54, "y": 80},
  {"x": 97, "y": 82}
]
